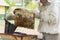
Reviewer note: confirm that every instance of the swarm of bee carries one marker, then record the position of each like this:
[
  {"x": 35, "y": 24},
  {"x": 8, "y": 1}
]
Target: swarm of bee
[{"x": 24, "y": 18}]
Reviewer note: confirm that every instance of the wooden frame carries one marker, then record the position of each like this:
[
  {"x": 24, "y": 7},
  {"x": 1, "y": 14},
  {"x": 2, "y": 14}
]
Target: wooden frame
[
  {"x": 24, "y": 18},
  {"x": 17, "y": 37}
]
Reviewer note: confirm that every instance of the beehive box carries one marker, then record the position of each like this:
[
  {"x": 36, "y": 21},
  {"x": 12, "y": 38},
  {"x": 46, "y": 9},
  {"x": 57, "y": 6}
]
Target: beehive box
[
  {"x": 16, "y": 37},
  {"x": 24, "y": 18},
  {"x": 9, "y": 37}
]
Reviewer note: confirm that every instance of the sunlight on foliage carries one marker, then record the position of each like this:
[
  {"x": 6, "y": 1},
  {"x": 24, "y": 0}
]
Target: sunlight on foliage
[
  {"x": 27, "y": 0},
  {"x": 10, "y": 2},
  {"x": 31, "y": 6}
]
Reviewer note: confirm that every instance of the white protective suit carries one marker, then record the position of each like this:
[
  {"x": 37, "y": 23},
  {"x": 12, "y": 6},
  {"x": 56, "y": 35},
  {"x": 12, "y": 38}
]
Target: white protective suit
[{"x": 49, "y": 18}]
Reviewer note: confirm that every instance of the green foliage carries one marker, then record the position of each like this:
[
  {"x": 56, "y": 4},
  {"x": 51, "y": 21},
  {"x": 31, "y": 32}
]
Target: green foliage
[
  {"x": 27, "y": 0},
  {"x": 7, "y": 1},
  {"x": 13, "y": 3},
  {"x": 32, "y": 6},
  {"x": 10, "y": 2}
]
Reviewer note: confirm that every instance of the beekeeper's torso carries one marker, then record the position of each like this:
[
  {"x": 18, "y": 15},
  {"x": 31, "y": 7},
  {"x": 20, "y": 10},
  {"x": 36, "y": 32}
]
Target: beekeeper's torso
[{"x": 49, "y": 16}]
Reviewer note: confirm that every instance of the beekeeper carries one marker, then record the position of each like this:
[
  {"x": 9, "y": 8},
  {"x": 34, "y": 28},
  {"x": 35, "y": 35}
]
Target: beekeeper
[{"x": 49, "y": 19}]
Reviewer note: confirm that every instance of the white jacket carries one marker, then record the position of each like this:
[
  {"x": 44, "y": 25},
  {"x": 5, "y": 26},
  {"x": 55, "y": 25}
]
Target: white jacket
[{"x": 50, "y": 19}]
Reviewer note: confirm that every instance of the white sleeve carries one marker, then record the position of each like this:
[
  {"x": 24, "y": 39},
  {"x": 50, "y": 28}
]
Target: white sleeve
[{"x": 37, "y": 13}]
